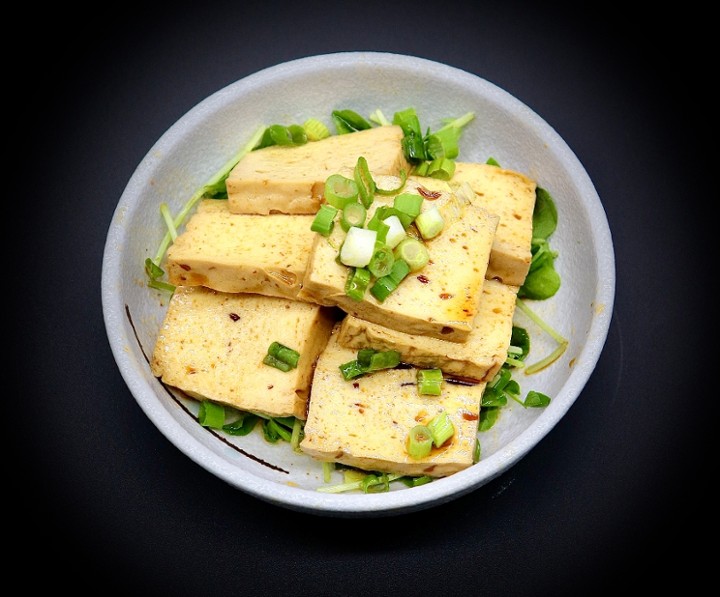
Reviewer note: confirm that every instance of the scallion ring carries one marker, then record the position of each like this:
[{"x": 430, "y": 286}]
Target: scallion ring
[
  {"x": 353, "y": 214},
  {"x": 340, "y": 190},
  {"x": 414, "y": 252},
  {"x": 419, "y": 442}
]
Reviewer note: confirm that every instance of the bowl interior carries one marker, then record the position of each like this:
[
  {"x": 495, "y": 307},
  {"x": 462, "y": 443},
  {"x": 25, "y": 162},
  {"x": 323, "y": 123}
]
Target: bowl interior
[{"x": 195, "y": 147}]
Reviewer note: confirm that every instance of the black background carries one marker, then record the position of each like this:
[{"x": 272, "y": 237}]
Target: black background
[{"x": 613, "y": 498}]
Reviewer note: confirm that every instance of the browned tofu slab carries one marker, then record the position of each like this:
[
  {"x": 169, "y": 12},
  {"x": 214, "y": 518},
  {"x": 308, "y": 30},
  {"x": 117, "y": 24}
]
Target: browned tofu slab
[
  {"x": 241, "y": 253},
  {"x": 479, "y": 358},
  {"x": 291, "y": 180},
  {"x": 440, "y": 301},
  {"x": 511, "y": 196},
  {"x": 365, "y": 422},
  {"x": 212, "y": 344}
]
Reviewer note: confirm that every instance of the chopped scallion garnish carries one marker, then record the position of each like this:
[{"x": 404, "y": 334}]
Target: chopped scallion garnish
[
  {"x": 441, "y": 428},
  {"x": 369, "y": 360},
  {"x": 419, "y": 442},
  {"x": 364, "y": 181},
  {"x": 315, "y": 130},
  {"x": 403, "y": 180},
  {"x": 324, "y": 220},
  {"x": 414, "y": 252},
  {"x": 382, "y": 260},
  {"x": 357, "y": 282},
  {"x": 386, "y": 285},
  {"x": 340, "y": 190},
  {"x": 429, "y": 381},
  {"x": 353, "y": 214},
  {"x": 358, "y": 248},
  {"x": 349, "y": 121},
  {"x": 396, "y": 231},
  {"x": 281, "y": 357},
  {"x": 430, "y": 223}
]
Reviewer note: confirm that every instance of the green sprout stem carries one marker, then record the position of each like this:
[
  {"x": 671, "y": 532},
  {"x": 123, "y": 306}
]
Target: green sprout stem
[
  {"x": 188, "y": 207},
  {"x": 352, "y": 486},
  {"x": 458, "y": 122},
  {"x": 555, "y": 354}
]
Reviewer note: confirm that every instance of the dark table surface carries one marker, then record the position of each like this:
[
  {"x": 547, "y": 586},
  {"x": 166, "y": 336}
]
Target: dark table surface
[{"x": 609, "y": 498}]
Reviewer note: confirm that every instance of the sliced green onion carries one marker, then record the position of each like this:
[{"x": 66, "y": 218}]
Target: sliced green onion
[
  {"x": 352, "y": 369},
  {"x": 409, "y": 203},
  {"x": 353, "y": 214},
  {"x": 412, "y": 143},
  {"x": 386, "y": 285},
  {"x": 358, "y": 248},
  {"x": 364, "y": 182},
  {"x": 384, "y": 359},
  {"x": 400, "y": 270},
  {"x": 298, "y": 134},
  {"x": 285, "y": 354},
  {"x": 430, "y": 223},
  {"x": 443, "y": 143},
  {"x": 315, "y": 129},
  {"x": 491, "y": 161},
  {"x": 369, "y": 360},
  {"x": 395, "y": 233},
  {"x": 419, "y": 442},
  {"x": 357, "y": 282},
  {"x": 277, "y": 363},
  {"x": 440, "y": 168},
  {"x": 403, "y": 181},
  {"x": 429, "y": 381},
  {"x": 382, "y": 260},
  {"x": 340, "y": 190},
  {"x": 348, "y": 121},
  {"x": 211, "y": 414},
  {"x": 364, "y": 356},
  {"x": 441, "y": 429},
  {"x": 413, "y": 252},
  {"x": 383, "y": 288},
  {"x": 324, "y": 220}
]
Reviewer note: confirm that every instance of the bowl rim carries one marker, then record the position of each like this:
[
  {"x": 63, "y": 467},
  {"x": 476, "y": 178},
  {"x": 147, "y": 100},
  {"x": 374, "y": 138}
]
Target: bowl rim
[{"x": 393, "y": 502}]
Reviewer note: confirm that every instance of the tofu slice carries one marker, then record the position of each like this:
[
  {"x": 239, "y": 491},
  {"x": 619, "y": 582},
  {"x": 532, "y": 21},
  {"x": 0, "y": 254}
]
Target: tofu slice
[
  {"x": 365, "y": 422},
  {"x": 440, "y": 301},
  {"x": 291, "y": 180},
  {"x": 211, "y": 345},
  {"x": 479, "y": 358},
  {"x": 241, "y": 253},
  {"x": 510, "y": 195}
]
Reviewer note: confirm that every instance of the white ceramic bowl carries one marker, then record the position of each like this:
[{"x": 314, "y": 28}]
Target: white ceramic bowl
[{"x": 197, "y": 145}]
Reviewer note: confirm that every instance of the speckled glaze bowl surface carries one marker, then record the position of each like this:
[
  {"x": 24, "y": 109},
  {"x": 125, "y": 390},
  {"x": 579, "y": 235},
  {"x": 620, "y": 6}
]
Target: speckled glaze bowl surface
[{"x": 196, "y": 146}]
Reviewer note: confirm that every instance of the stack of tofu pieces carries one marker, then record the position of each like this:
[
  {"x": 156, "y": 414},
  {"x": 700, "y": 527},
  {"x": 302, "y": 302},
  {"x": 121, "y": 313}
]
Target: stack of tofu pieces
[{"x": 249, "y": 271}]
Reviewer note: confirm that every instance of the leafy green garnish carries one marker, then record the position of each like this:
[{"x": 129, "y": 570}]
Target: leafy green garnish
[
  {"x": 349, "y": 121},
  {"x": 542, "y": 280}
]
